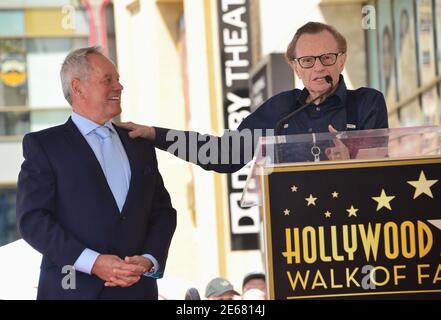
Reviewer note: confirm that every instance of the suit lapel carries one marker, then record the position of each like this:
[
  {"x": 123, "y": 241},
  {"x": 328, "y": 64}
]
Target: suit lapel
[
  {"x": 135, "y": 165},
  {"x": 87, "y": 157},
  {"x": 76, "y": 139}
]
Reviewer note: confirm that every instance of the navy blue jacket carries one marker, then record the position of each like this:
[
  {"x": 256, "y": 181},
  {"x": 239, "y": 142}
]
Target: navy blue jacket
[
  {"x": 65, "y": 205},
  {"x": 361, "y": 109}
]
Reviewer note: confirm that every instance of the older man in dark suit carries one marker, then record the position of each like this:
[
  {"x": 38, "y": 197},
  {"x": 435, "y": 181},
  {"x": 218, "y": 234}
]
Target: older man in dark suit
[{"x": 92, "y": 198}]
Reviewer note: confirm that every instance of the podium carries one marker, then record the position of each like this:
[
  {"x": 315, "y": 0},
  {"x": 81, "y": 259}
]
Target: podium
[{"x": 350, "y": 215}]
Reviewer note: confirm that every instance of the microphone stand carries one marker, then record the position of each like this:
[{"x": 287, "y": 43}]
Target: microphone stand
[{"x": 285, "y": 119}]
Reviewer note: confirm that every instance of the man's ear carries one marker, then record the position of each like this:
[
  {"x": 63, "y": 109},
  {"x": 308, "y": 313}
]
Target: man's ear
[
  {"x": 342, "y": 62},
  {"x": 75, "y": 86}
]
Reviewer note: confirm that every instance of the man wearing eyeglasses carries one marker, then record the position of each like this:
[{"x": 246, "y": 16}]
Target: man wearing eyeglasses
[{"x": 317, "y": 54}]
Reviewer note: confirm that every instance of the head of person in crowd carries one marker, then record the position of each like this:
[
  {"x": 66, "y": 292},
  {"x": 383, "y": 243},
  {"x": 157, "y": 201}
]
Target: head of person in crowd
[
  {"x": 317, "y": 50},
  {"x": 254, "y": 294},
  {"x": 251, "y": 282},
  {"x": 220, "y": 289}
]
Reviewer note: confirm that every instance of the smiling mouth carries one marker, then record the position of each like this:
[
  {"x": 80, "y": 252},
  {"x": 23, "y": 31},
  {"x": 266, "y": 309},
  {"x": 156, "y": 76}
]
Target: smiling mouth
[
  {"x": 319, "y": 79},
  {"x": 115, "y": 98}
]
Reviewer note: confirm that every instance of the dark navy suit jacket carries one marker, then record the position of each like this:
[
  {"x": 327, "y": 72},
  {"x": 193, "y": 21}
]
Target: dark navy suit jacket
[{"x": 65, "y": 205}]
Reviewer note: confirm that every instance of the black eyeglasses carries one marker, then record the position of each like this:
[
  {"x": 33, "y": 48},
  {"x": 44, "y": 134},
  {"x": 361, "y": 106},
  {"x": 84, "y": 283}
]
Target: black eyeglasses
[{"x": 327, "y": 59}]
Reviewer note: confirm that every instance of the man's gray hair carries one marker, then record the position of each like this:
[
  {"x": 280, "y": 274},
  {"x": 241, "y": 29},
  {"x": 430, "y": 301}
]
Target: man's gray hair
[{"x": 76, "y": 65}]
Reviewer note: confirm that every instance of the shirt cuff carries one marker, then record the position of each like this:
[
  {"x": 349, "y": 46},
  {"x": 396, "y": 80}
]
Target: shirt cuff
[
  {"x": 154, "y": 272},
  {"x": 86, "y": 260}
]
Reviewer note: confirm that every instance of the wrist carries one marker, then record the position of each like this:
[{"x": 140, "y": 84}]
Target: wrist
[
  {"x": 96, "y": 265},
  {"x": 152, "y": 133}
]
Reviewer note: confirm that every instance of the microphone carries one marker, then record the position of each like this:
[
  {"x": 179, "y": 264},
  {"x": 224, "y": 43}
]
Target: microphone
[{"x": 285, "y": 119}]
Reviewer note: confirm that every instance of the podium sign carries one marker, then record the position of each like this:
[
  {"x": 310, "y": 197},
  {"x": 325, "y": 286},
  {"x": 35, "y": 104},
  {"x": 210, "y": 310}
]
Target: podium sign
[{"x": 364, "y": 228}]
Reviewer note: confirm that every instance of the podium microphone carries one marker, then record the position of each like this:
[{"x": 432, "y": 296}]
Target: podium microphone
[{"x": 285, "y": 119}]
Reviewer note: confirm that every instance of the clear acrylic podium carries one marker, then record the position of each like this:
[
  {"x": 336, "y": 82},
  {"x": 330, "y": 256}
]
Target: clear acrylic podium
[{"x": 352, "y": 214}]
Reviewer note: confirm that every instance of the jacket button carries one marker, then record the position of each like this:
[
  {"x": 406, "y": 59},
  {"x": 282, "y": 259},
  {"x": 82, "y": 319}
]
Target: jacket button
[{"x": 122, "y": 218}]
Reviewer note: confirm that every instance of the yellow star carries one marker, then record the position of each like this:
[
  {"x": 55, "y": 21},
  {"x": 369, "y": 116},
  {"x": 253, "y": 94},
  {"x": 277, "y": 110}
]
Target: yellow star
[
  {"x": 383, "y": 200},
  {"x": 352, "y": 211},
  {"x": 294, "y": 188},
  {"x": 335, "y": 194},
  {"x": 422, "y": 185},
  {"x": 311, "y": 200},
  {"x": 327, "y": 214},
  {"x": 286, "y": 212}
]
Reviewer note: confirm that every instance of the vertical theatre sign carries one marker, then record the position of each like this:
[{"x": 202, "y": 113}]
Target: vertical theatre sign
[{"x": 234, "y": 44}]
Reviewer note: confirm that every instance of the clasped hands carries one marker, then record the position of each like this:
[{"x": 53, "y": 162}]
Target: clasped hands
[{"x": 120, "y": 273}]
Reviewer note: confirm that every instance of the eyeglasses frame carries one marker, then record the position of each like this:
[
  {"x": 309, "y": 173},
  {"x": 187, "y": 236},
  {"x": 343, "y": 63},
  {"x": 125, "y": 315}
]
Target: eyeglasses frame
[{"x": 319, "y": 57}]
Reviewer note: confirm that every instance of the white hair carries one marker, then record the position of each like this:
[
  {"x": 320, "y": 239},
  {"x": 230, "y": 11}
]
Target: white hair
[{"x": 76, "y": 65}]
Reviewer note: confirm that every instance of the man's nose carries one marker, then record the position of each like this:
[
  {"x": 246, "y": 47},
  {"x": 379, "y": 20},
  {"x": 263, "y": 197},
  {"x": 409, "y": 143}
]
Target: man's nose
[
  {"x": 119, "y": 86},
  {"x": 318, "y": 64}
]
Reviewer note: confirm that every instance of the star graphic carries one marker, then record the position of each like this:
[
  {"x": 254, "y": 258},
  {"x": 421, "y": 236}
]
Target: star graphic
[
  {"x": 335, "y": 194},
  {"x": 422, "y": 185},
  {"x": 294, "y": 188},
  {"x": 383, "y": 200},
  {"x": 436, "y": 223},
  {"x": 352, "y": 211},
  {"x": 311, "y": 200},
  {"x": 327, "y": 214},
  {"x": 286, "y": 212}
]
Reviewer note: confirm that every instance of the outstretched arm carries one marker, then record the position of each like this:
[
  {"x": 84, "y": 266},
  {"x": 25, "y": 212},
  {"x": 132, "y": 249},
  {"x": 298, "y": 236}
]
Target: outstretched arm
[{"x": 225, "y": 154}]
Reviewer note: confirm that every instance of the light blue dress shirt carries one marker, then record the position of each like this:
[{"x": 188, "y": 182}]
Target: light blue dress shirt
[{"x": 86, "y": 260}]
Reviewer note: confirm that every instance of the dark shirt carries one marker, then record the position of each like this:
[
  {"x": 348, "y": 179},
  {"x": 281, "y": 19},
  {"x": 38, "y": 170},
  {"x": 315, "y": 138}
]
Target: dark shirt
[{"x": 365, "y": 106}]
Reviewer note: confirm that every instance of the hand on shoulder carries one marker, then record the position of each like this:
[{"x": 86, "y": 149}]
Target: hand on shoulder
[{"x": 139, "y": 131}]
